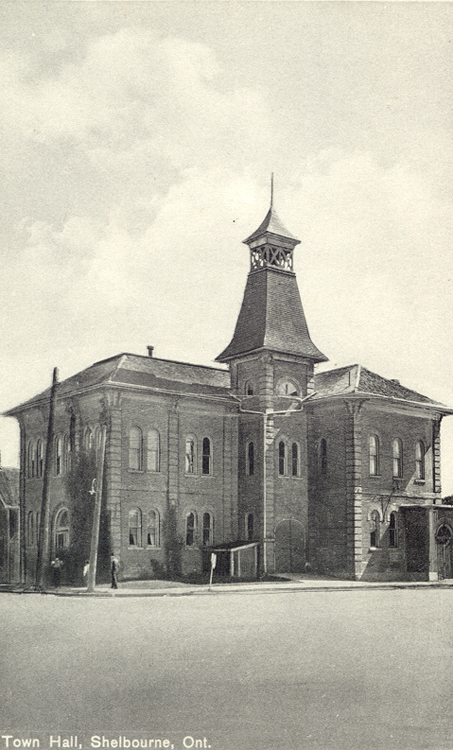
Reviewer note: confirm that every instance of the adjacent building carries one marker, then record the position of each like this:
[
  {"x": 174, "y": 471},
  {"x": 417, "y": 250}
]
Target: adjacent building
[{"x": 272, "y": 465}]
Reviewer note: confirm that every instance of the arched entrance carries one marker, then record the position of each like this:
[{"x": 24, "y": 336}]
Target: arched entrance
[
  {"x": 289, "y": 547},
  {"x": 444, "y": 551}
]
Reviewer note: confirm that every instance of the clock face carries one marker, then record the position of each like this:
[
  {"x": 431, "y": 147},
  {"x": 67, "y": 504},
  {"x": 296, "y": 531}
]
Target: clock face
[{"x": 287, "y": 388}]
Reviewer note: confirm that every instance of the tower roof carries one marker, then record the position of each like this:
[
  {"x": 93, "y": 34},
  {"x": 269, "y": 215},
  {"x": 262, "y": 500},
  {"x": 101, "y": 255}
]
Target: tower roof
[
  {"x": 272, "y": 318},
  {"x": 272, "y": 225}
]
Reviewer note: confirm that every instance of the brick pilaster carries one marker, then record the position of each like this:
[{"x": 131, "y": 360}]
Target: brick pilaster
[
  {"x": 353, "y": 442},
  {"x": 113, "y": 453},
  {"x": 437, "y": 487}
]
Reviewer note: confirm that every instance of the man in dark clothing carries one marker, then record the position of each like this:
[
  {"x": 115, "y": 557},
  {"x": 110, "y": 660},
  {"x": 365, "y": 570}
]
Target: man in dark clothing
[
  {"x": 115, "y": 565},
  {"x": 57, "y": 565}
]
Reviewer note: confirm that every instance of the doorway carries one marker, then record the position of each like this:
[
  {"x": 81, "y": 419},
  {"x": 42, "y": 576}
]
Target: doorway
[
  {"x": 444, "y": 552},
  {"x": 289, "y": 547}
]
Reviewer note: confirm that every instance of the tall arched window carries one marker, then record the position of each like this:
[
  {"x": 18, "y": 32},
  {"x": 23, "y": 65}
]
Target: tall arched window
[
  {"x": 249, "y": 530},
  {"x": 207, "y": 529},
  {"x": 282, "y": 458},
  {"x": 250, "y": 459},
  {"x": 39, "y": 458},
  {"x": 153, "y": 529},
  {"x": 61, "y": 537},
  {"x": 420, "y": 460},
  {"x": 59, "y": 455},
  {"x": 323, "y": 456},
  {"x": 135, "y": 449},
  {"x": 393, "y": 531},
  {"x": 397, "y": 450},
  {"x": 374, "y": 455},
  {"x": 191, "y": 455},
  {"x": 66, "y": 453},
  {"x": 374, "y": 529},
  {"x": 191, "y": 522},
  {"x": 295, "y": 460},
  {"x": 31, "y": 460},
  {"x": 135, "y": 527},
  {"x": 153, "y": 451},
  {"x": 206, "y": 458}
]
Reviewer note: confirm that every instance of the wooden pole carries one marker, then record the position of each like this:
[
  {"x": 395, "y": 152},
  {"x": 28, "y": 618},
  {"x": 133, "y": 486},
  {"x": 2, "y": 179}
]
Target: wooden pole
[
  {"x": 96, "y": 516},
  {"x": 44, "y": 526}
]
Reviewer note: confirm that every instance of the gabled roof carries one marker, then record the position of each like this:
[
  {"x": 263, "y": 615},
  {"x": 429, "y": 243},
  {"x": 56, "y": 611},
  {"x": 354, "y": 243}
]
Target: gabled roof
[
  {"x": 271, "y": 317},
  {"x": 273, "y": 225},
  {"x": 356, "y": 380},
  {"x": 147, "y": 372}
]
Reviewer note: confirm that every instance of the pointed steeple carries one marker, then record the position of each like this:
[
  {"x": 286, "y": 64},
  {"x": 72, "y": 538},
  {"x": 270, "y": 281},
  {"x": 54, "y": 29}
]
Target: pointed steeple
[{"x": 271, "y": 317}]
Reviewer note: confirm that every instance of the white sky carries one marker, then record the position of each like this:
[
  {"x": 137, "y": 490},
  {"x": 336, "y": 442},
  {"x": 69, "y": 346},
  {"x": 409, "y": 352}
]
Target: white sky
[{"x": 137, "y": 142}]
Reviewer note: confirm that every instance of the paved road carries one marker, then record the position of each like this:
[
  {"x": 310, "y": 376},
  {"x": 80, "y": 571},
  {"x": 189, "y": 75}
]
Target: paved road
[{"x": 352, "y": 670}]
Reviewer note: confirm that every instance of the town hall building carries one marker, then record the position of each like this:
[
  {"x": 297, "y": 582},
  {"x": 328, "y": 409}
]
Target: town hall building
[{"x": 274, "y": 467}]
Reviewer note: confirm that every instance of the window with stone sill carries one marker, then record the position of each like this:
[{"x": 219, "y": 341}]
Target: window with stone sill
[
  {"x": 135, "y": 449},
  {"x": 374, "y": 529},
  {"x": 420, "y": 472},
  {"x": 135, "y": 527},
  {"x": 191, "y": 528}
]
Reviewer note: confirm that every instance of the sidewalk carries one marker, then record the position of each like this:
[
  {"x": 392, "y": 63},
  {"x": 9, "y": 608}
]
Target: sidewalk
[{"x": 292, "y": 583}]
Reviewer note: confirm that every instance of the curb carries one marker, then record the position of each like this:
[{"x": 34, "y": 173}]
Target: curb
[{"x": 296, "y": 587}]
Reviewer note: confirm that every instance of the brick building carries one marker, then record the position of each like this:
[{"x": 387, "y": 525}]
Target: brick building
[{"x": 264, "y": 461}]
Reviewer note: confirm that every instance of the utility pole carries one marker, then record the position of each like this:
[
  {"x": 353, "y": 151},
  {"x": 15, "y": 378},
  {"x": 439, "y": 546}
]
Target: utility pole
[
  {"x": 44, "y": 530},
  {"x": 96, "y": 515}
]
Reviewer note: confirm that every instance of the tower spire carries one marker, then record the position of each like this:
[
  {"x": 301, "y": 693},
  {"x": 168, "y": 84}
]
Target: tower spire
[{"x": 272, "y": 190}]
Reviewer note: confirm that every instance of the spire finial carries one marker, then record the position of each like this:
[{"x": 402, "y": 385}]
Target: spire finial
[{"x": 272, "y": 189}]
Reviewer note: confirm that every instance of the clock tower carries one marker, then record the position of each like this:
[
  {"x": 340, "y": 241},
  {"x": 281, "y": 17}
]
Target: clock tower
[{"x": 271, "y": 359}]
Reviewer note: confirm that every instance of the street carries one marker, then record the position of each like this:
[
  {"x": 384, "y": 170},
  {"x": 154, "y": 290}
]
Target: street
[{"x": 268, "y": 671}]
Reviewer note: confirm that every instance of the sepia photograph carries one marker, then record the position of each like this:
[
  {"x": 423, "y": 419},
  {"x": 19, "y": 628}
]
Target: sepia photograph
[{"x": 226, "y": 404}]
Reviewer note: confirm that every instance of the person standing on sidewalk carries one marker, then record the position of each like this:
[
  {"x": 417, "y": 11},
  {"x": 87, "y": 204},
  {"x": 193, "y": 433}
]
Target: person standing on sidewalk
[
  {"x": 115, "y": 566},
  {"x": 57, "y": 565}
]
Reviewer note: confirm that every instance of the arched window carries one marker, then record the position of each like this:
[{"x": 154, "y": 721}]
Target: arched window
[
  {"x": 191, "y": 523},
  {"x": 153, "y": 529},
  {"x": 88, "y": 439},
  {"x": 397, "y": 450},
  {"x": 66, "y": 453},
  {"x": 295, "y": 460},
  {"x": 62, "y": 529},
  {"x": 250, "y": 459},
  {"x": 191, "y": 455},
  {"x": 323, "y": 455},
  {"x": 207, "y": 529},
  {"x": 39, "y": 458},
  {"x": 30, "y": 529},
  {"x": 97, "y": 439},
  {"x": 135, "y": 527},
  {"x": 31, "y": 460},
  {"x": 249, "y": 388},
  {"x": 249, "y": 531},
  {"x": 59, "y": 455},
  {"x": 393, "y": 531},
  {"x": 374, "y": 455},
  {"x": 206, "y": 458},
  {"x": 153, "y": 451},
  {"x": 281, "y": 458},
  {"x": 420, "y": 460},
  {"x": 374, "y": 529},
  {"x": 135, "y": 449}
]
